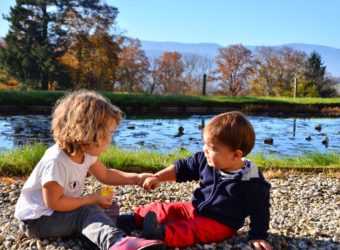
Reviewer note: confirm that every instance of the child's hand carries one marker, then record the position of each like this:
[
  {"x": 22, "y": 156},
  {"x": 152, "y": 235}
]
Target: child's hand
[
  {"x": 103, "y": 201},
  {"x": 260, "y": 244},
  {"x": 142, "y": 177},
  {"x": 151, "y": 183}
]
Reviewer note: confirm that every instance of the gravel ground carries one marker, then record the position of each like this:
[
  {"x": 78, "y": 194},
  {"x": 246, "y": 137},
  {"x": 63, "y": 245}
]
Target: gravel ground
[{"x": 305, "y": 214}]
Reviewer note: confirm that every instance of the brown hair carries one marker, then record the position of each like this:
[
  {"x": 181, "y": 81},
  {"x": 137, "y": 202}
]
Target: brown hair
[
  {"x": 232, "y": 129},
  {"x": 80, "y": 118}
]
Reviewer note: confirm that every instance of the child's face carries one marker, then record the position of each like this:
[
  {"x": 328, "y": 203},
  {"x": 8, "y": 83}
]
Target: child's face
[
  {"x": 221, "y": 156},
  {"x": 96, "y": 151}
]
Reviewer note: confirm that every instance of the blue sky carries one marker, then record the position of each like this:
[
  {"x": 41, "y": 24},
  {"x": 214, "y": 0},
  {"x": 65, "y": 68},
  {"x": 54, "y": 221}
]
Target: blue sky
[{"x": 250, "y": 22}]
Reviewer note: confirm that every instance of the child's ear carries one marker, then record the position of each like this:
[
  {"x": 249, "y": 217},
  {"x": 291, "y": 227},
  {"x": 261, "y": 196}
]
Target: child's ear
[{"x": 238, "y": 154}]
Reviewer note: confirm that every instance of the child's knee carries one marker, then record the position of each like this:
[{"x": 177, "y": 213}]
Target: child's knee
[
  {"x": 31, "y": 228},
  {"x": 91, "y": 209}
]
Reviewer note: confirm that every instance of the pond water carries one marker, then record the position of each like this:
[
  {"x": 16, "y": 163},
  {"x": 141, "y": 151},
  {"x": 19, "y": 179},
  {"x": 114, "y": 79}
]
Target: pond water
[{"x": 291, "y": 136}]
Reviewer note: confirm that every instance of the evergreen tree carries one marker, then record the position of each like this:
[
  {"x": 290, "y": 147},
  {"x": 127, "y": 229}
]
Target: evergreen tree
[
  {"x": 34, "y": 42},
  {"x": 42, "y": 31},
  {"x": 314, "y": 82}
]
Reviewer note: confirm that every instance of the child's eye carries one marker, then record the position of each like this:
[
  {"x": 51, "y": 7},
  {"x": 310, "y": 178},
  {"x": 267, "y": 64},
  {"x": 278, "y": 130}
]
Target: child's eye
[{"x": 210, "y": 148}]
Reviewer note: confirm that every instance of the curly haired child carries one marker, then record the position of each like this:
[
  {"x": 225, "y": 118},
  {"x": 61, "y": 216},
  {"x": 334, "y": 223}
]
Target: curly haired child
[
  {"x": 231, "y": 188},
  {"x": 50, "y": 203}
]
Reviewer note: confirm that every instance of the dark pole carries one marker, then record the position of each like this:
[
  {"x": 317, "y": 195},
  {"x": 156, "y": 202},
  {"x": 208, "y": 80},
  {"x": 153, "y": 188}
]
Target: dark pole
[
  {"x": 204, "y": 84},
  {"x": 295, "y": 87}
]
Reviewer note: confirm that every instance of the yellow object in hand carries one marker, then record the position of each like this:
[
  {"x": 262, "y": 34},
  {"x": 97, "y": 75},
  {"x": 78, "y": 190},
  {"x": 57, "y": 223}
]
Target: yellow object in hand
[{"x": 106, "y": 190}]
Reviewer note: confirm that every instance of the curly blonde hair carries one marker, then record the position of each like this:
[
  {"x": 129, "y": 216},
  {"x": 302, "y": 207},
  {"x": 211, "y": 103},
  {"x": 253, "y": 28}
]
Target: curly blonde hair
[{"x": 79, "y": 119}]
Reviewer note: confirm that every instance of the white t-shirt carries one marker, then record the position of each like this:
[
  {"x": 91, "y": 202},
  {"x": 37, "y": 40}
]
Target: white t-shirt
[{"x": 55, "y": 165}]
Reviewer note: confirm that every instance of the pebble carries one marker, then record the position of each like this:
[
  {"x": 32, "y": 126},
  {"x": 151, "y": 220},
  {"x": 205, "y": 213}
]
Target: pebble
[{"x": 304, "y": 214}]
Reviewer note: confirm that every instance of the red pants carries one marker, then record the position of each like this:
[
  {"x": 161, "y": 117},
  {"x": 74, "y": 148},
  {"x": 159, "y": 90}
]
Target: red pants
[{"x": 184, "y": 227}]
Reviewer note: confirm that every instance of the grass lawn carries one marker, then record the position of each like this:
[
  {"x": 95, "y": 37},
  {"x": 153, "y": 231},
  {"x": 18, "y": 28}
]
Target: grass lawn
[
  {"x": 48, "y": 98},
  {"x": 21, "y": 161}
]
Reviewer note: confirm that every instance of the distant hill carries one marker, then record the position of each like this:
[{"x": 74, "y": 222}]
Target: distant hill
[{"x": 329, "y": 55}]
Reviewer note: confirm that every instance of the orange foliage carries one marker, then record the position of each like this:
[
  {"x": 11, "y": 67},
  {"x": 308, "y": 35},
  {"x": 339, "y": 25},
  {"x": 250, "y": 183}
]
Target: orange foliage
[
  {"x": 93, "y": 61},
  {"x": 7, "y": 82},
  {"x": 7, "y": 180},
  {"x": 168, "y": 73},
  {"x": 133, "y": 67},
  {"x": 234, "y": 69}
]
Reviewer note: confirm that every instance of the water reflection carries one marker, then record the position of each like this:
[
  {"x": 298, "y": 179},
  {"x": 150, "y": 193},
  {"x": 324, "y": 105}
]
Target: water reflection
[
  {"x": 20, "y": 130},
  {"x": 291, "y": 136}
]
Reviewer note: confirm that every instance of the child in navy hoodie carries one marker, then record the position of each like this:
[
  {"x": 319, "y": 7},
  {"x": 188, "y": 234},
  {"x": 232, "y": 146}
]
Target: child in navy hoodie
[{"x": 230, "y": 189}]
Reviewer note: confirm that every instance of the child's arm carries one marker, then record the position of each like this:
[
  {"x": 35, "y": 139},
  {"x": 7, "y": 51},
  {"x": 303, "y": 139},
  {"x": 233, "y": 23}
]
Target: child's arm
[
  {"x": 167, "y": 174},
  {"x": 184, "y": 170},
  {"x": 116, "y": 177},
  {"x": 54, "y": 198},
  {"x": 257, "y": 204}
]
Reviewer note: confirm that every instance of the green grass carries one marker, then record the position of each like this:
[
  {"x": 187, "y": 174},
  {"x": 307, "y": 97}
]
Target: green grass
[
  {"x": 48, "y": 98},
  {"x": 308, "y": 161},
  {"x": 21, "y": 161},
  {"x": 21, "y": 98},
  {"x": 140, "y": 160}
]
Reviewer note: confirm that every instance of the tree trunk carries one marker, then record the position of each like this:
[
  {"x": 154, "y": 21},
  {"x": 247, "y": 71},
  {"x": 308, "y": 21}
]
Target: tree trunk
[
  {"x": 44, "y": 82},
  {"x": 45, "y": 73}
]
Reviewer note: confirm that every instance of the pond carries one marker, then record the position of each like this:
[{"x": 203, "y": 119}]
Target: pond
[{"x": 291, "y": 136}]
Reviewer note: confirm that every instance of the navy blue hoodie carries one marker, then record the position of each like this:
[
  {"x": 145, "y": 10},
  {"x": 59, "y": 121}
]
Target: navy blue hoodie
[{"x": 228, "y": 197}]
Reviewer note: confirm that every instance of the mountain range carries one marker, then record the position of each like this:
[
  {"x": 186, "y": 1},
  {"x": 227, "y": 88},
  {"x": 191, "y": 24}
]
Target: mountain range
[{"x": 330, "y": 56}]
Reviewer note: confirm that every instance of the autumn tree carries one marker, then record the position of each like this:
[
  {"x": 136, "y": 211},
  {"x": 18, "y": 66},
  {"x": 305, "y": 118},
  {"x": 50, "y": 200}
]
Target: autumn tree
[
  {"x": 195, "y": 66},
  {"x": 234, "y": 69},
  {"x": 275, "y": 70},
  {"x": 133, "y": 67},
  {"x": 7, "y": 82},
  {"x": 93, "y": 52},
  {"x": 100, "y": 70},
  {"x": 168, "y": 73}
]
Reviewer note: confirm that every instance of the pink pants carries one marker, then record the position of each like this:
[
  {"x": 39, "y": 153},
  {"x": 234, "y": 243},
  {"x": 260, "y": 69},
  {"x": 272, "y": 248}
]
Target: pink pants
[{"x": 184, "y": 226}]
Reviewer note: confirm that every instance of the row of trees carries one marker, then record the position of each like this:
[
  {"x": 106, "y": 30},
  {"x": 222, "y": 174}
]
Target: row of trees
[
  {"x": 60, "y": 44},
  {"x": 272, "y": 71}
]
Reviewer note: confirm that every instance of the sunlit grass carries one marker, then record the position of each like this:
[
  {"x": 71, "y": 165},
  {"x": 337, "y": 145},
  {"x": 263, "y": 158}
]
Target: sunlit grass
[
  {"x": 140, "y": 160},
  {"x": 308, "y": 161},
  {"x": 36, "y": 97},
  {"x": 21, "y": 161}
]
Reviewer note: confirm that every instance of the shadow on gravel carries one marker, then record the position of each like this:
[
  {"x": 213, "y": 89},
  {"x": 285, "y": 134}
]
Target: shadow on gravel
[{"x": 238, "y": 242}]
